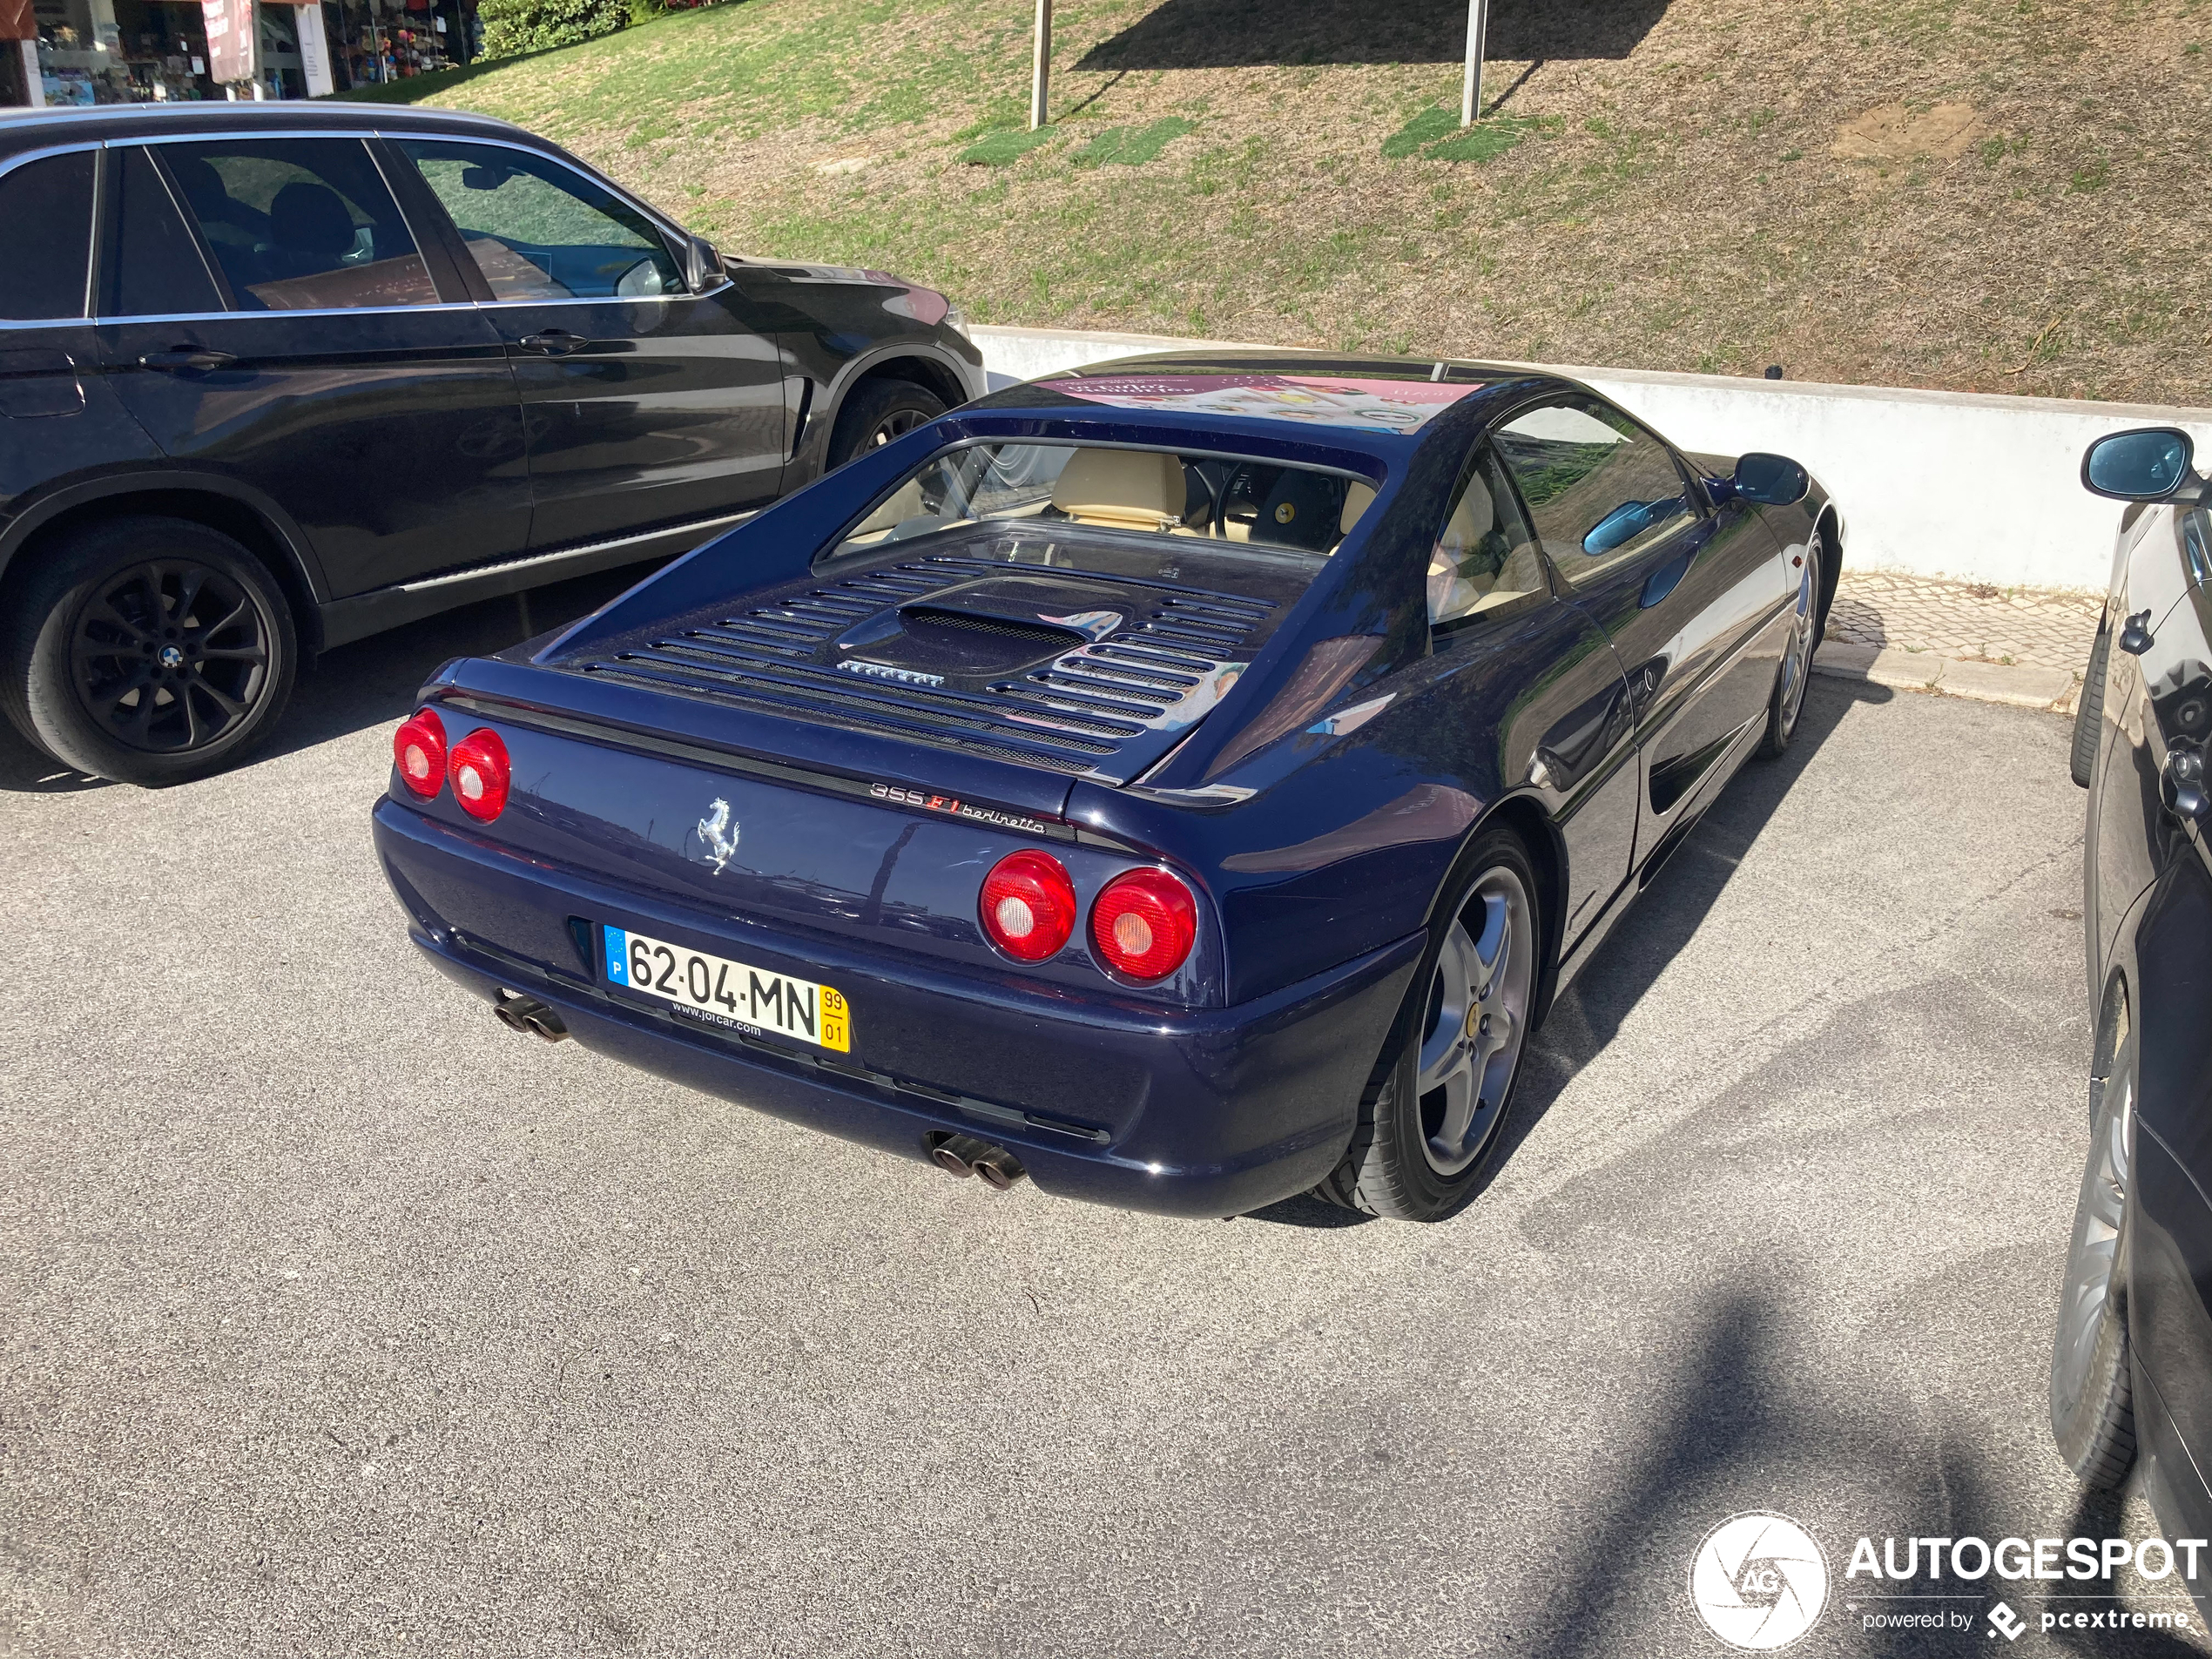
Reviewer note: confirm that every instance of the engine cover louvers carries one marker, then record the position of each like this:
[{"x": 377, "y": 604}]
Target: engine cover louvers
[{"x": 1087, "y": 672}]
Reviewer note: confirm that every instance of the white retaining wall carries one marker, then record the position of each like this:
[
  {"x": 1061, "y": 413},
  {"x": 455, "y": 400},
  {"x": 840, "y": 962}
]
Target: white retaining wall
[{"x": 1956, "y": 484}]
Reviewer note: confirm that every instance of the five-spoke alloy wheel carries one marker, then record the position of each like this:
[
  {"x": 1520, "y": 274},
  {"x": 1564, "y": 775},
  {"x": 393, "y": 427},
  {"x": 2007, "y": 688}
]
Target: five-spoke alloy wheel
[
  {"x": 1478, "y": 1018},
  {"x": 1435, "y": 1109},
  {"x": 1796, "y": 672}
]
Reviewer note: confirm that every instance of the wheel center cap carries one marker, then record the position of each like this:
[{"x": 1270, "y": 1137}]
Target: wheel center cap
[{"x": 171, "y": 658}]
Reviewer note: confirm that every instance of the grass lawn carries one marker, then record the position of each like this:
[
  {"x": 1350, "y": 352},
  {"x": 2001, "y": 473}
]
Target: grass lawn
[{"x": 1997, "y": 195}]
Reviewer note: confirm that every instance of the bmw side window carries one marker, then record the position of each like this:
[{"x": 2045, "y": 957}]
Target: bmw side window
[
  {"x": 47, "y": 205},
  {"x": 156, "y": 270},
  {"x": 299, "y": 223},
  {"x": 537, "y": 230},
  {"x": 1601, "y": 489},
  {"x": 1485, "y": 556}
]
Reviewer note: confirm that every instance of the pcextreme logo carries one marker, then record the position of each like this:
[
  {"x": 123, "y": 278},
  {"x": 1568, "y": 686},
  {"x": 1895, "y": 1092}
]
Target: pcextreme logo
[{"x": 1758, "y": 1580}]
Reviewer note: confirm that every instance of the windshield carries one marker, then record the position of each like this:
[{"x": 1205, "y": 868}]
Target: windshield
[{"x": 1151, "y": 492}]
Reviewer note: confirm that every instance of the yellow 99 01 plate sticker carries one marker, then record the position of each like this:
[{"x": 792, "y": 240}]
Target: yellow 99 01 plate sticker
[{"x": 720, "y": 992}]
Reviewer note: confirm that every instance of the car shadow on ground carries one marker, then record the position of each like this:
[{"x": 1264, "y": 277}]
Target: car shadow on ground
[
  {"x": 370, "y": 682},
  {"x": 1731, "y": 1417},
  {"x": 1587, "y": 1013},
  {"x": 1239, "y": 34}
]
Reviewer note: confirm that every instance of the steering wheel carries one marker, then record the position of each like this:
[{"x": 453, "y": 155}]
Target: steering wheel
[{"x": 1239, "y": 475}]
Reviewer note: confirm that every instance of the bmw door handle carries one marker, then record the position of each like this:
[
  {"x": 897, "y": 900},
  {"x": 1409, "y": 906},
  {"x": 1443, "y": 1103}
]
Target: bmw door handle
[
  {"x": 554, "y": 342},
  {"x": 2185, "y": 784},
  {"x": 179, "y": 357}
]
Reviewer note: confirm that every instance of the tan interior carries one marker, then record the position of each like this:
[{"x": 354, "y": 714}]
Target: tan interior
[
  {"x": 1131, "y": 490},
  {"x": 905, "y": 502},
  {"x": 1357, "y": 499},
  {"x": 1454, "y": 590}
]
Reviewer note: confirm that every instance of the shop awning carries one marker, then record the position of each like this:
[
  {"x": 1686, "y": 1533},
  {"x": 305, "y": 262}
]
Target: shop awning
[{"x": 1470, "y": 87}]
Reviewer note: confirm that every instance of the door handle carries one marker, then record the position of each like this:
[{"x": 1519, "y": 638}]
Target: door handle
[
  {"x": 554, "y": 342},
  {"x": 187, "y": 357},
  {"x": 2185, "y": 785}
]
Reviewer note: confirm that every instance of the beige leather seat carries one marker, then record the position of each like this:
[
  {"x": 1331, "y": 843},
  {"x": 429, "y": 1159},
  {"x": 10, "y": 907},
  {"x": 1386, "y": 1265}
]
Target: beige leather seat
[
  {"x": 1459, "y": 583},
  {"x": 1129, "y": 489},
  {"x": 905, "y": 502},
  {"x": 1358, "y": 497}
]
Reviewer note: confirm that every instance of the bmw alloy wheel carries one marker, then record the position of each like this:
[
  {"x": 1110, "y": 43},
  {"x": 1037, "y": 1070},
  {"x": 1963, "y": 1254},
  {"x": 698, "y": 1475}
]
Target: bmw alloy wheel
[
  {"x": 2093, "y": 1254},
  {"x": 169, "y": 655},
  {"x": 894, "y": 426},
  {"x": 1478, "y": 1021}
]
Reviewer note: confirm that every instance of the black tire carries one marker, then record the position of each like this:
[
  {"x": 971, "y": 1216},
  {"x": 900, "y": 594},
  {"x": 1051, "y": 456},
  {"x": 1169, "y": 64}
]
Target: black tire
[
  {"x": 877, "y": 411},
  {"x": 149, "y": 651},
  {"x": 2089, "y": 714},
  {"x": 2092, "y": 1413},
  {"x": 1391, "y": 1168},
  {"x": 1794, "y": 674}
]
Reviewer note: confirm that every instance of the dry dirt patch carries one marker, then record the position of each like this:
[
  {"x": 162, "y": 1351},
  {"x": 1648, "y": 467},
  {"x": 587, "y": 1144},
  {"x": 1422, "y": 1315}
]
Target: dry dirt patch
[{"x": 1892, "y": 132}]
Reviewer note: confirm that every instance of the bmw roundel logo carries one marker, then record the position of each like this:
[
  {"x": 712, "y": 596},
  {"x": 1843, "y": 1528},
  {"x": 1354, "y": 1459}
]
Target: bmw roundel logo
[{"x": 1284, "y": 513}]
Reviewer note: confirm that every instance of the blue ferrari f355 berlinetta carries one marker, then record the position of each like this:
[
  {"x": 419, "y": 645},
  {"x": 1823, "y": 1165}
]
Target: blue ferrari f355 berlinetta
[{"x": 1185, "y": 781}]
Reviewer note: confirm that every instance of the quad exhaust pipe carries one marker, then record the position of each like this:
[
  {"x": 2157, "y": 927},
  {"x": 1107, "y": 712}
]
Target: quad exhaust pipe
[
  {"x": 964, "y": 1154},
  {"x": 527, "y": 1014}
]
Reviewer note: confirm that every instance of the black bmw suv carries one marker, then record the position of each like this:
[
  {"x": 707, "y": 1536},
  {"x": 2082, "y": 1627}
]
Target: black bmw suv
[
  {"x": 272, "y": 378},
  {"x": 2131, "y": 1369}
]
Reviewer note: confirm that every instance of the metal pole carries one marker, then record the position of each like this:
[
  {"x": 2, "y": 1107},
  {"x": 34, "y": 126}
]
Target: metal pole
[
  {"x": 1471, "y": 89},
  {"x": 1041, "y": 69}
]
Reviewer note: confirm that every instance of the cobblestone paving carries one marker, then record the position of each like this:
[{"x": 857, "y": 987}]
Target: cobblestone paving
[{"x": 2027, "y": 627}]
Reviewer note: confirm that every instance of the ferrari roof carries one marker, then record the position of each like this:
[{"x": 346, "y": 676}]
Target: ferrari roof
[{"x": 1343, "y": 396}]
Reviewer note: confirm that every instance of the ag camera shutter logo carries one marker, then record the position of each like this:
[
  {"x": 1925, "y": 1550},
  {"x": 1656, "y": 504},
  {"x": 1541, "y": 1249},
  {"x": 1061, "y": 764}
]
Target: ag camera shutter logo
[{"x": 1758, "y": 1580}]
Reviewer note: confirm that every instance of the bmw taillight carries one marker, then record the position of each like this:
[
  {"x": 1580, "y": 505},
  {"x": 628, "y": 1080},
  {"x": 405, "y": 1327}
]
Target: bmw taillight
[
  {"x": 1029, "y": 906},
  {"x": 419, "y": 750},
  {"x": 479, "y": 768},
  {"x": 1144, "y": 924}
]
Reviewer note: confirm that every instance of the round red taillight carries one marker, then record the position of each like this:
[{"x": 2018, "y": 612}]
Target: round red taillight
[
  {"x": 479, "y": 769},
  {"x": 1029, "y": 906},
  {"x": 419, "y": 750},
  {"x": 1144, "y": 924}
]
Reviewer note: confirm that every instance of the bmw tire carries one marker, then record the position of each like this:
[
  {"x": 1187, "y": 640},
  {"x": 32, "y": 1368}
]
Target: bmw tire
[
  {"x": 2092, "y": 1413},
  {"x": 876, "y": 413},
  {"x": 149, "y": 651}
]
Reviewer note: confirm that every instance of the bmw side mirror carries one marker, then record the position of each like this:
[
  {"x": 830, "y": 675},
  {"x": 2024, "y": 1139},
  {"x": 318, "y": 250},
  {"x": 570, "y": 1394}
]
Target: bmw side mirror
[
  {"x": 702, "y": 265},
  {"x": 1771, "y": 481},
  {"x": 2147, "y": 464}
]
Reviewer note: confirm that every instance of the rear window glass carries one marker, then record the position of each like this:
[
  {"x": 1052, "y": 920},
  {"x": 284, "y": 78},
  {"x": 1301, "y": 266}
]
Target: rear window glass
[
  {"x": 47, "y": 207},
  {"x": 1147, "y": 492},
  {"x": 157, "y": 268},
  {"x": 300, "y": 224}
]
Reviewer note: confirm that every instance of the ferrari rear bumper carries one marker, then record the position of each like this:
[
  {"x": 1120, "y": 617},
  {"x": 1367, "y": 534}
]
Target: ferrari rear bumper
[{"x": 1203, "y": 1112}]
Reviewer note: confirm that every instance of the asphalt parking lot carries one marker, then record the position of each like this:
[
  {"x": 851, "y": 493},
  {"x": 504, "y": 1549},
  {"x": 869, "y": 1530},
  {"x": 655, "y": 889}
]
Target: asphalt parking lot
[{"x": 337, "y": 1319}]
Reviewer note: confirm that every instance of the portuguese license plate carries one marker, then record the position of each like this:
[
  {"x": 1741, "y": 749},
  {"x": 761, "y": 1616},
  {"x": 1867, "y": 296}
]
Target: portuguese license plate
[{"x": 719, "y": 992}]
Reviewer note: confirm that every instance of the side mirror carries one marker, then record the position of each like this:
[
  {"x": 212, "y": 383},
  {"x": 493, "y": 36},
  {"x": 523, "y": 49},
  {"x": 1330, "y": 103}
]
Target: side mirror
[
  {"x": 2147, "y": 464},
  {"x": 1624, "y": 523},
  {"x": 1771, "y": 481},
  {"x": 702, "y": 265}
]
